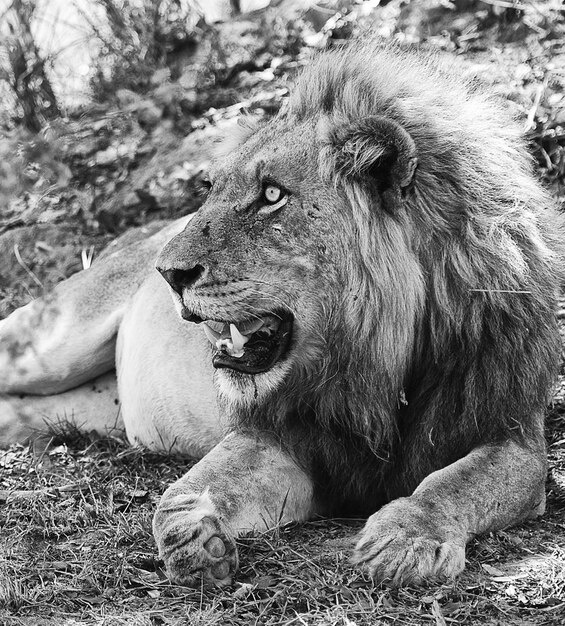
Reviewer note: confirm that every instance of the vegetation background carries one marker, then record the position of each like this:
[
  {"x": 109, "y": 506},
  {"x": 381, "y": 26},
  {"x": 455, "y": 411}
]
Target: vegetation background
[{"x": 109, "y": 110}]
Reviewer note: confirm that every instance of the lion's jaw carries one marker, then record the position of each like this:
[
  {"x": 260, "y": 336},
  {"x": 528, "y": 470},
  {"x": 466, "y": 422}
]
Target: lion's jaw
[
  {"x": 255, "y": 357},
  {"x": 241, "y": 391},
  {"x": 249, "y": 334},
  {"x": 252, "y": 343}
]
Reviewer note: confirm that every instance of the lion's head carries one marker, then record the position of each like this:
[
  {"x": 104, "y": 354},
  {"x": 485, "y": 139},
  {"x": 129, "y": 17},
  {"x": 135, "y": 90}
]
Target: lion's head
[{"x": 375, "y": 249}]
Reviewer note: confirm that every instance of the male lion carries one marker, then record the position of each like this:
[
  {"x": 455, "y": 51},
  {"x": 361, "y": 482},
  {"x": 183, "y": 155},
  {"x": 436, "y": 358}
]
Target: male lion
[{"x": 367, "y": 296}]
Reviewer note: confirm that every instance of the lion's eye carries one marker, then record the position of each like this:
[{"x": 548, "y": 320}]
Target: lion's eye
[
  {"x": 274, "y": 198},
  {"x": 272, "y": 194}
]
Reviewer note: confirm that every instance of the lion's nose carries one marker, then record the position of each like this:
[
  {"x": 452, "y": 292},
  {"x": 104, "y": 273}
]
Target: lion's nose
[{"x": 180, "y": 279}]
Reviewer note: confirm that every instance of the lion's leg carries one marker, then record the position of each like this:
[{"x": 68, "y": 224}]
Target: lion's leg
[
  {"x": 58, "y": 341},
  {"x": 90, "y": 407},
  {"x": 68, "y": 336},
  {"x": 246, "y": 482},
  {"x": 423, "y": 537}
]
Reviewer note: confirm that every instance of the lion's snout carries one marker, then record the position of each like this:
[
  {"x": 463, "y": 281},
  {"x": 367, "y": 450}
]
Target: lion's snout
[
  {"x": 180, "y": 278},
  {"x": 181, "y": 269}
]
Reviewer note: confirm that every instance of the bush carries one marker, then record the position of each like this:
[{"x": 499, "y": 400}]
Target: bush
[
  {"x": 138, "y": 36},
  {"x": 22, "y": 69}
]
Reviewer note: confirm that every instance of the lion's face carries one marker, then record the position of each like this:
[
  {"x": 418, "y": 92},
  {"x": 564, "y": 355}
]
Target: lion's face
[
  {"x": 293, "y": 264},
  {"x": 258, "y": 265}
]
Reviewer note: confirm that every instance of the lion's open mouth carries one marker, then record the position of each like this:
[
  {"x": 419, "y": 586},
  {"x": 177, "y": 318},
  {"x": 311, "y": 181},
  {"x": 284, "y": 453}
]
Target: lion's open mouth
[{"x": 252, "y": 346}]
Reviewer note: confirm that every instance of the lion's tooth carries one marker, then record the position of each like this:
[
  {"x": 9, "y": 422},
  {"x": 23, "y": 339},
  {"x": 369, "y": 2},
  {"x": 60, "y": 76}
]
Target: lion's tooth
[
  {"x": 225, "y": 343},
  {"x": 217, "y": 327},
  {"x": 231, "y": 339},
  {"x": 237, "y": 337},
  {"x": 248, "y": 328},
  {"x": 210, "y": 333},
  {"x": 238, "y": 341}
]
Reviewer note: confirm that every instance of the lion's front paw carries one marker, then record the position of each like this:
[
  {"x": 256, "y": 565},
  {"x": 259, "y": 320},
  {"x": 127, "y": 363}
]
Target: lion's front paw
[
  {"x": 193, "y": 542},
  {"x": 401, "y": 545}
]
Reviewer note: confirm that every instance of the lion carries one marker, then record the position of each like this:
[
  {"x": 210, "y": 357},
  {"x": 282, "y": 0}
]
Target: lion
[{"x": 359, "y": 320}]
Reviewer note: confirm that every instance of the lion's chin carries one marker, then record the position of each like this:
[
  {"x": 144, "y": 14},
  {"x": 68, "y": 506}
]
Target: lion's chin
[{"x": 238, "y": 390}]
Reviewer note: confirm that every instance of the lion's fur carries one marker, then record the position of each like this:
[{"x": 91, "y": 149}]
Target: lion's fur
[{"x": 447, "y": 337}]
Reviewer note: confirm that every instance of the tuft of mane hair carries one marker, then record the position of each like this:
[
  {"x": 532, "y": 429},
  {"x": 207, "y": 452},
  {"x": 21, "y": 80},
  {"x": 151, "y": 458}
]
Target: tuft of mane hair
[{"x": 456, "y": 258}]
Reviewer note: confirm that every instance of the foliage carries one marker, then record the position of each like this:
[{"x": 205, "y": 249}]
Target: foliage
[
  {"x": 22, "y": 68},
  {"x": 139, "y": 38},
  {"x": 30, "y": 161}
]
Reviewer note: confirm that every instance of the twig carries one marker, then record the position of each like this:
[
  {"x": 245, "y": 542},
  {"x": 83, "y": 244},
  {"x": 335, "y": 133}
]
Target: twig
[
  {"x": 499, "y": 291},
  {"x": 505, "y": 5},
  {"x": 26, "y": 267},
  {"x": 7, "y": 495},
  {"x": 86, "y": 256},
  {"x": 532, "y": 114},
  {"x": 10, "y": 224},
  {"x": 437, "y": 614}
]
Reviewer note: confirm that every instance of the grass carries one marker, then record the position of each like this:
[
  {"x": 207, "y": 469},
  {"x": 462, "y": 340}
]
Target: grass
[{"x": 76, "y": 548}]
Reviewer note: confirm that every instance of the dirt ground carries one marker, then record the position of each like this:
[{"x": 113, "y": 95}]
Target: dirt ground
[
  {"x": 75, "y": 512},
  {"x": 77, "y": 548}
]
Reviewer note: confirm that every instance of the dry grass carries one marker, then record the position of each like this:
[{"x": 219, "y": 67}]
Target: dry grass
[{"x": 76, "y": 548}]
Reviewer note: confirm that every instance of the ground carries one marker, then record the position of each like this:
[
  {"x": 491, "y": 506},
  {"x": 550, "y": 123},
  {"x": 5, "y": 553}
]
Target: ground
[
  {"x": 75, "y": 511},
  {"x": 77, "y": 548}
]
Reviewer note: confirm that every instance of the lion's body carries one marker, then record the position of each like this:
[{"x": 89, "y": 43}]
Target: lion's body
[
  {"x": 384, "y": 246},
  {"x": 170, "y": 407},
  {"x": 147, "y": 395}
]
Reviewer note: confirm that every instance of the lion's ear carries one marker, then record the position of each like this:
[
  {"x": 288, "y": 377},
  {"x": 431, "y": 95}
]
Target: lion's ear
[{"x": 377, "y": 152}]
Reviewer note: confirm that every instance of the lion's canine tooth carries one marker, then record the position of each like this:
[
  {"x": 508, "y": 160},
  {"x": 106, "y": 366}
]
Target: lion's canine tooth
[
  {"x": 238, "y": 341},
  {"x": 210, "y": 333},
  {"x": 231, "y": 339}
]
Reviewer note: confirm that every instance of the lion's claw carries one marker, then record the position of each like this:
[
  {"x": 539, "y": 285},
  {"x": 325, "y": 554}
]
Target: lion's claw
[
  {"x": 401, "y": 545},
  {"x": 413, "y": 561}
]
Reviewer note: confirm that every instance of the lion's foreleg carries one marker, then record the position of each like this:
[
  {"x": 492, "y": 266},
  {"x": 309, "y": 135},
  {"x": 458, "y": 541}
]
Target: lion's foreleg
[
  {"x": 246, "y": 482},
  {"x": 423, "y": 537}
]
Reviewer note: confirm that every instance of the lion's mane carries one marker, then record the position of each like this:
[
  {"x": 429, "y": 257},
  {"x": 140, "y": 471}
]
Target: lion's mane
[{"x": 447, "y": 337}]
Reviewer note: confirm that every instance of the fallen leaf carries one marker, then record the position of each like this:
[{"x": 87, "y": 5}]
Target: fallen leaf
[
  {"x": 492, "y": 571},
  {"x": 244, "y": 590}
]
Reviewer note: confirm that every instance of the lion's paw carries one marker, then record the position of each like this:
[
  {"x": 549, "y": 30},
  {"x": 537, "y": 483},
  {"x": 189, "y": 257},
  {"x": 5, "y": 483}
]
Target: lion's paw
[
  {"x": 401, "y": 545},
  {"x": 194, "y": 543}
]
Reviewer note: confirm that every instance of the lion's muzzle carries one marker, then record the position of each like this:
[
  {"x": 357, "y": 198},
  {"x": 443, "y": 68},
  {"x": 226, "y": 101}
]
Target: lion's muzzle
[{"x": 247, "y": 336}]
